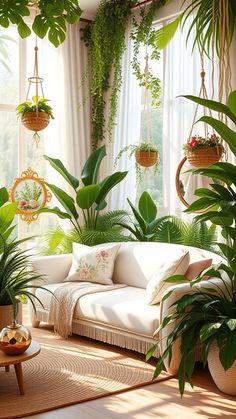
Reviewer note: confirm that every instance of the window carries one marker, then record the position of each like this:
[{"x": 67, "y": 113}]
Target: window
[
  {"x": 17, "y": 148},
  {"x": 179, "y": 69}
]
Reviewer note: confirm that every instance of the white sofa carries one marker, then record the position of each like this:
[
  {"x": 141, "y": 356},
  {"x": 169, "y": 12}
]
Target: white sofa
[{"x": 122, "y": 316}]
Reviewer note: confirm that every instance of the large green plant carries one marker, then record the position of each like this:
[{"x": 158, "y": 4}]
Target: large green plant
[
  {"x": 105, "y": 39},
  {"x": 208, "y": 313},
  {"x": 90, "y": 198},
  {"x": 16, "y": 276},
  {"x": 167, "y": 229},
  {"x": 51, "y": 18}
]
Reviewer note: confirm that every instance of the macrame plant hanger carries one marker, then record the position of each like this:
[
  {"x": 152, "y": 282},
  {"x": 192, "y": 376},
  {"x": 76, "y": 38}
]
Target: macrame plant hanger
[
  {"x": 147, "y": 158},
  {"x": 39, "y": 93},
  {"x": 203, "y": 158}
]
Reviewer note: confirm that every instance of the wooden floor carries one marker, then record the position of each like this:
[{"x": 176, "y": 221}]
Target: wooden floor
[{"x": 160, "y": 400}]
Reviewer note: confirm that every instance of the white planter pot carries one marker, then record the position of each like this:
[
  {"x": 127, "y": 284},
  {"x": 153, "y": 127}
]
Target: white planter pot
[
  {"x": 224, "y": 380},
  {"x": 6, "y": 315}
]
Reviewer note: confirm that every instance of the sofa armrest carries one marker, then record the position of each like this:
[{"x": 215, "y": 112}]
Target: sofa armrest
[
  {"x": 55, "y": 268},
  {"x": 165, "y": 308}
]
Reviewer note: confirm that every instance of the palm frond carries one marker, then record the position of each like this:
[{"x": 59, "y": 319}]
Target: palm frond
[
  {"x": 56, "y": 242},
  {"x": 169, "y": 231}
]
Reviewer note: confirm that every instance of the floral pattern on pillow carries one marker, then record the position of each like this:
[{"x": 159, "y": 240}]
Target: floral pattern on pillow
[{"x": 93, "y": 264}]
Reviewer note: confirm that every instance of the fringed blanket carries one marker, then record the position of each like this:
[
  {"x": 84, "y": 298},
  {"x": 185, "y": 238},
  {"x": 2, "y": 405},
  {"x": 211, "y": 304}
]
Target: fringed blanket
[{"x": 64, "y": 302}]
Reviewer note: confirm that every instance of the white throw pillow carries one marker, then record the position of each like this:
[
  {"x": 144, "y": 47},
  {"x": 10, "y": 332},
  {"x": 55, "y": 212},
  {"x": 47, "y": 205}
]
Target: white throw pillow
[
  {"x": 168, "y": 265},
  {"x": 93, "y": 264}
]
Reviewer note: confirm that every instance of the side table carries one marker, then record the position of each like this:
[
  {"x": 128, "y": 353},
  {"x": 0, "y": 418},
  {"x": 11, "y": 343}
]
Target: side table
[{"x": 16, "y": 360}]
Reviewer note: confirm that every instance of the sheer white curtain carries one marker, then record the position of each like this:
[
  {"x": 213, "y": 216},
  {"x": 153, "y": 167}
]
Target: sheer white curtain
[
  {"x": 182, "y": 69},
  {"x": 68, "y": 136},
  {"x": 126, "y": 132}
]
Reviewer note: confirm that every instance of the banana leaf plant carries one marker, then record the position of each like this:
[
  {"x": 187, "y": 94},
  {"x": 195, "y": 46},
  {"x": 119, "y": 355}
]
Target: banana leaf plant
[
  {"x": 90, "y": 198},
  {"x": 208, "y": 313},
  {"x": 7, "y": 214}
]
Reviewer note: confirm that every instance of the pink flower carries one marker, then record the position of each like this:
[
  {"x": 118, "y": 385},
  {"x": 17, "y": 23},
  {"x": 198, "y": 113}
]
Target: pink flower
[
  {"x": 104, "y": 254},
  {"x": 84, "y": 273},
  {"x": 23, "y": 203},
  {"x": 213, "y": 136},
  {"x": 193, "y": 142}
]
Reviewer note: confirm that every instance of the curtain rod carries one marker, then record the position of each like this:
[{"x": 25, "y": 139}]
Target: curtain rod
[{"x": 142, "y": 3}]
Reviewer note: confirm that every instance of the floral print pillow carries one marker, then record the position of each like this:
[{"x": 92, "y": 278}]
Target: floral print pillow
[{"x": 93, "y": 264}]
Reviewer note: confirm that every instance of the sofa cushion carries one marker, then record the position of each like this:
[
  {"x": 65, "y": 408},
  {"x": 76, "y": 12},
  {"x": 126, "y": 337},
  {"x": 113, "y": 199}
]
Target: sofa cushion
[
  {"x": 93, "y": 264},
  {"x": 123, "y": 308},
  {"x": 171, "y": 263},
  {"x": 196, "y": 268},
  {"x": 135, "y": 261}
]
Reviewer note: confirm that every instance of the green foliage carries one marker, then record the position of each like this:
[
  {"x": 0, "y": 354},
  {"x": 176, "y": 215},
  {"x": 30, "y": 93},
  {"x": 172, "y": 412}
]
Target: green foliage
[
  {"x": 207, "y": 314},
  {"x": 105, "y": 39},
  {"x": 36, "y": 104},
  {"x": 15, "y": 273},
  {"x": 144, "y": 35},
  {"x": 58, "y": 242},
  {"x": 51, "y": 18},
  {"x": 201, "y": 315},
  {"x": 133, "y": 150},
  {"x": 90, "y": 198},
  {"x": 206, "y": 23},
  {"x": 168, "y": 229}
]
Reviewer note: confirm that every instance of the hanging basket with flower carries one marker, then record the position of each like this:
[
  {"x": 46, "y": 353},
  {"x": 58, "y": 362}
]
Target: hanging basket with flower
[{"x": 202, "y": 152}]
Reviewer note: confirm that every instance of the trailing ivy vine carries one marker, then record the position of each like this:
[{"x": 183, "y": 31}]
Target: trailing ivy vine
[
  {"x": 51, "y": 18},
  {"x": 144, "y": 35},
  {"x": 105, "y": 39}
]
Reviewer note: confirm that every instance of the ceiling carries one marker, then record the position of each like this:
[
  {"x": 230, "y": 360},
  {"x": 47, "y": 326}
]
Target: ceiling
[{"x": 89, "y": 7}]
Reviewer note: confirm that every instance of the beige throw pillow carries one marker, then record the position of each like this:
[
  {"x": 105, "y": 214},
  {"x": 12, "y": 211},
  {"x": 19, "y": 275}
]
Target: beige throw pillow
[
  {"x": 93, "y": 264},
  {"x": 170, "y": 264},
  {"x": 196, "y": 268}
]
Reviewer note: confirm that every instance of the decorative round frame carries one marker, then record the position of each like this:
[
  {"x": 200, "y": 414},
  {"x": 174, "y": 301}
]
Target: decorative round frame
[{"x": 30, "y": 193}]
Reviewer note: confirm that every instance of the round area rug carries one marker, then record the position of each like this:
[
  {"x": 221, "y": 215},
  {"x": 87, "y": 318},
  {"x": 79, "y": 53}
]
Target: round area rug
[{"x": 71, "y": 371}]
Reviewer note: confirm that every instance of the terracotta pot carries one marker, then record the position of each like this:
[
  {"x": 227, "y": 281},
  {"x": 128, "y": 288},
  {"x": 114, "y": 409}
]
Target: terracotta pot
[
  {"x": 224, "y": 380},
  {"x": 6, "y": 315},
  {"x": 146, "y": 158},
  {"x": 204, "y": 157},
  {"x": 35, "y": 121}
]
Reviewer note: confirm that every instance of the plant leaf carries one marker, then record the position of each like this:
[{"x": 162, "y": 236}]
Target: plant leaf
[
  {"x": 87, "y": 195},
  {"x": 89, "y": 174},
  {"x": 60, "y": 168},
  {"x": 147, "y": 207}
]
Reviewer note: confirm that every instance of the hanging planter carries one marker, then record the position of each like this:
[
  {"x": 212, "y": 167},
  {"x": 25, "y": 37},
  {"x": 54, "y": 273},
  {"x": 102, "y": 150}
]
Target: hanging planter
[
  {"x": 146, "y": 158},
  {"x": 202, "y": 152},
  {"x": 35, "y": 114}
]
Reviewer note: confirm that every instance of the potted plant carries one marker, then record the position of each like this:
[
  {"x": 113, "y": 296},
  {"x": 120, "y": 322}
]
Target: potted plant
[
  {"x": 35, "y": 114},
  {"x": 146, "y": 155},
  {"x": 202, "y": 152},
  {"x": 207, "y": 314},
  {"x": 16, "y": 276}
]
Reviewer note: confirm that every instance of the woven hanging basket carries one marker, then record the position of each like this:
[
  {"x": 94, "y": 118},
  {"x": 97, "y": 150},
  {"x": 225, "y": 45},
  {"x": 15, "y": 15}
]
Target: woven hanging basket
[
  {"x": 204, "y": 157},
  {"x": 35, "y": 121},
  {"x": 146, "y": 158}
]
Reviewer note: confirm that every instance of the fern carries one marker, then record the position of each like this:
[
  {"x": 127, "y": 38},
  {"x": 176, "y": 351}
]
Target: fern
[{"x": 57, "y": 241}]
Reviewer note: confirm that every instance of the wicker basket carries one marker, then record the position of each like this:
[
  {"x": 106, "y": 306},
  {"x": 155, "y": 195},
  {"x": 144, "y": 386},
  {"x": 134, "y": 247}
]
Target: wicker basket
[
  {"x": 146, "y": 158},
  {"x": 35, "y": 121},
  {"x": 204, "y": 157}
]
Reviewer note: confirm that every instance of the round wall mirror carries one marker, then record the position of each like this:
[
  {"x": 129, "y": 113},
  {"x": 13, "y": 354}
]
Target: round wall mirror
[{"x": 187, "y": 182}]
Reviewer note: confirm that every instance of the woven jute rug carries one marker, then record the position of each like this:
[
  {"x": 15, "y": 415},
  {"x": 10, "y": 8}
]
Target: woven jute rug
[{"x": 71, "y": 371}]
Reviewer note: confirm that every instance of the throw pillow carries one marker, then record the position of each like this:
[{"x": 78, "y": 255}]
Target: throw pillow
[
  {"x": 93, "y": 264},
  {"x": 196, "y": 268},
  {"x": 176, "y": 264}
]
